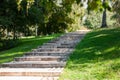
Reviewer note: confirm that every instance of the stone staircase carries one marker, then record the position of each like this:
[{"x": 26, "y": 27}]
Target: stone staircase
[{"x": 44, "y": 63}]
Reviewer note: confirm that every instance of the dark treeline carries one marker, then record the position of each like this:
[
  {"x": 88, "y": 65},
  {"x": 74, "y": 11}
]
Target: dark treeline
[{"x": 33, "y": 18}]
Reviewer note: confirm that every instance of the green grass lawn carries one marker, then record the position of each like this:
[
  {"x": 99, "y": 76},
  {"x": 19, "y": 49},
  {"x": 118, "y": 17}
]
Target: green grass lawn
[
  {"x": 26, "y": 44},
  {"x": 97, "y": 57}
]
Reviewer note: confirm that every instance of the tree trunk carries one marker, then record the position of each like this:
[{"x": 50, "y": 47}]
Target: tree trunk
[
  {"x": 104, "y": 16},
  {"x": 104, "y": 22},
  {"x": 14, "y": 33},
  {"x": 36, "y": 30}
]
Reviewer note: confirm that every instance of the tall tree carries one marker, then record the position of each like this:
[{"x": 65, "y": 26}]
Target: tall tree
[
  {"x": 102, "y": 5},
  {"x": 104, "y": 16}
]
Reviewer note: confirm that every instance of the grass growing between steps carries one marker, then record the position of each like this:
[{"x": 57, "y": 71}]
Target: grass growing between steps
[
  {"x": 26, "y": 44},
  {"x": 97, "y": 57}
]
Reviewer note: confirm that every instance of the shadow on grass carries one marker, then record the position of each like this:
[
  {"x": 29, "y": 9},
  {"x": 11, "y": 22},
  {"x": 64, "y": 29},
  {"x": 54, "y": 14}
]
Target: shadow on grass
[{"x": 97, "y": 46}]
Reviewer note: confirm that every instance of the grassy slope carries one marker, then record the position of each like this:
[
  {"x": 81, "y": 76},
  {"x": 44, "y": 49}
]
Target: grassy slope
[
  {"x": 97, "y": 57},
  {"x": 25, "y": 45}
]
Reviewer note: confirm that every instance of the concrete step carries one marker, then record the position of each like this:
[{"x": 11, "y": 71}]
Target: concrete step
[
  {"x": 40, "y": 58},
  {"x": 46, "y": 54},
  {"x": 36, "y": 72},
  {"x": 66, "y": 46},
  {"x": 44, "y": 63},
  {"x": 49, "y": 44},
  {"x": 27, "y": 78},
  {"x": 64, "y": 40},
  {"x": 70, "y": 38},
  {"x": 51, "y": 49},
  {"x": 49, "y": 52},
  {"x": 70, "y": 42},
  {"x": 34, "y": 64},
  {"x": 63, "y": 45},
  {"x": 53, "y": 41}
]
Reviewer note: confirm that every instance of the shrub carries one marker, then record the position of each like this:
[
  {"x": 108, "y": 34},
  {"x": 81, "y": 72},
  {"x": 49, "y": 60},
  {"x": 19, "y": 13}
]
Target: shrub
[
  {"x": 7, "y": 44},
  {"x": 93, "y": 20}
]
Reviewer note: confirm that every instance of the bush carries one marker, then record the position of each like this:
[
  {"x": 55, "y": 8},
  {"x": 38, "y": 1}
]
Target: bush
[
  {"x": 93, "y": 20},
  {"x": 7, "y": 44}
]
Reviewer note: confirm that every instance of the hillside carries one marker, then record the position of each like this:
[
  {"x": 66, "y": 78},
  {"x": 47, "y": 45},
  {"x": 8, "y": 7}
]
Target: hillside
[{"x": 97, "y": 57}]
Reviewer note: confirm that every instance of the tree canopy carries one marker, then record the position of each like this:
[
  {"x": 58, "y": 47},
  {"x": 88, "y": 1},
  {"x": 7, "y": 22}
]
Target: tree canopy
[{"x": 42, "y": 17}]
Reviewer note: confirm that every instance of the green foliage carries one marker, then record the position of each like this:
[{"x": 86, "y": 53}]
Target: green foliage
[
  {"x": 93, "y": 20},
  {"x": 7, "y": 44},
  {"x": 96, "y": 57},
  {"x": 7, "y": 12},
  {"x": 88, "y": 24},
  {"x": 50, "y": 16},
  {"x": 116, "y": 7},
  {"x": 57, "y": 23},
  {"x": 94, "y": 4},
  {"x": 35, "y": 16},
  {"x": 99, "y": 5},
  {"x": 19, "y": 16},
  {"x": 76, "y": 15}
]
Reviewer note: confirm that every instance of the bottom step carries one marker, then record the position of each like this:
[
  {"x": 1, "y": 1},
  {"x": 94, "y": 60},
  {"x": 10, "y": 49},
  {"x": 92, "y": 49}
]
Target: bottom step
[
  {"x": 41, "y": 72},
  {"x": 27, "y": 78},
  {"x": 34, "y": 64}
]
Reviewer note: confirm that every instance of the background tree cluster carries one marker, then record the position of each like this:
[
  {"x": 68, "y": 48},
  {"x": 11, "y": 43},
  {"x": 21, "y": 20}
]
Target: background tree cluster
[
  {"x": 116, "y": 7},
  {"x": 41, "y": 17},
  {"x": 36, "y": 17},
  {"x": 101, "y": 11}
]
